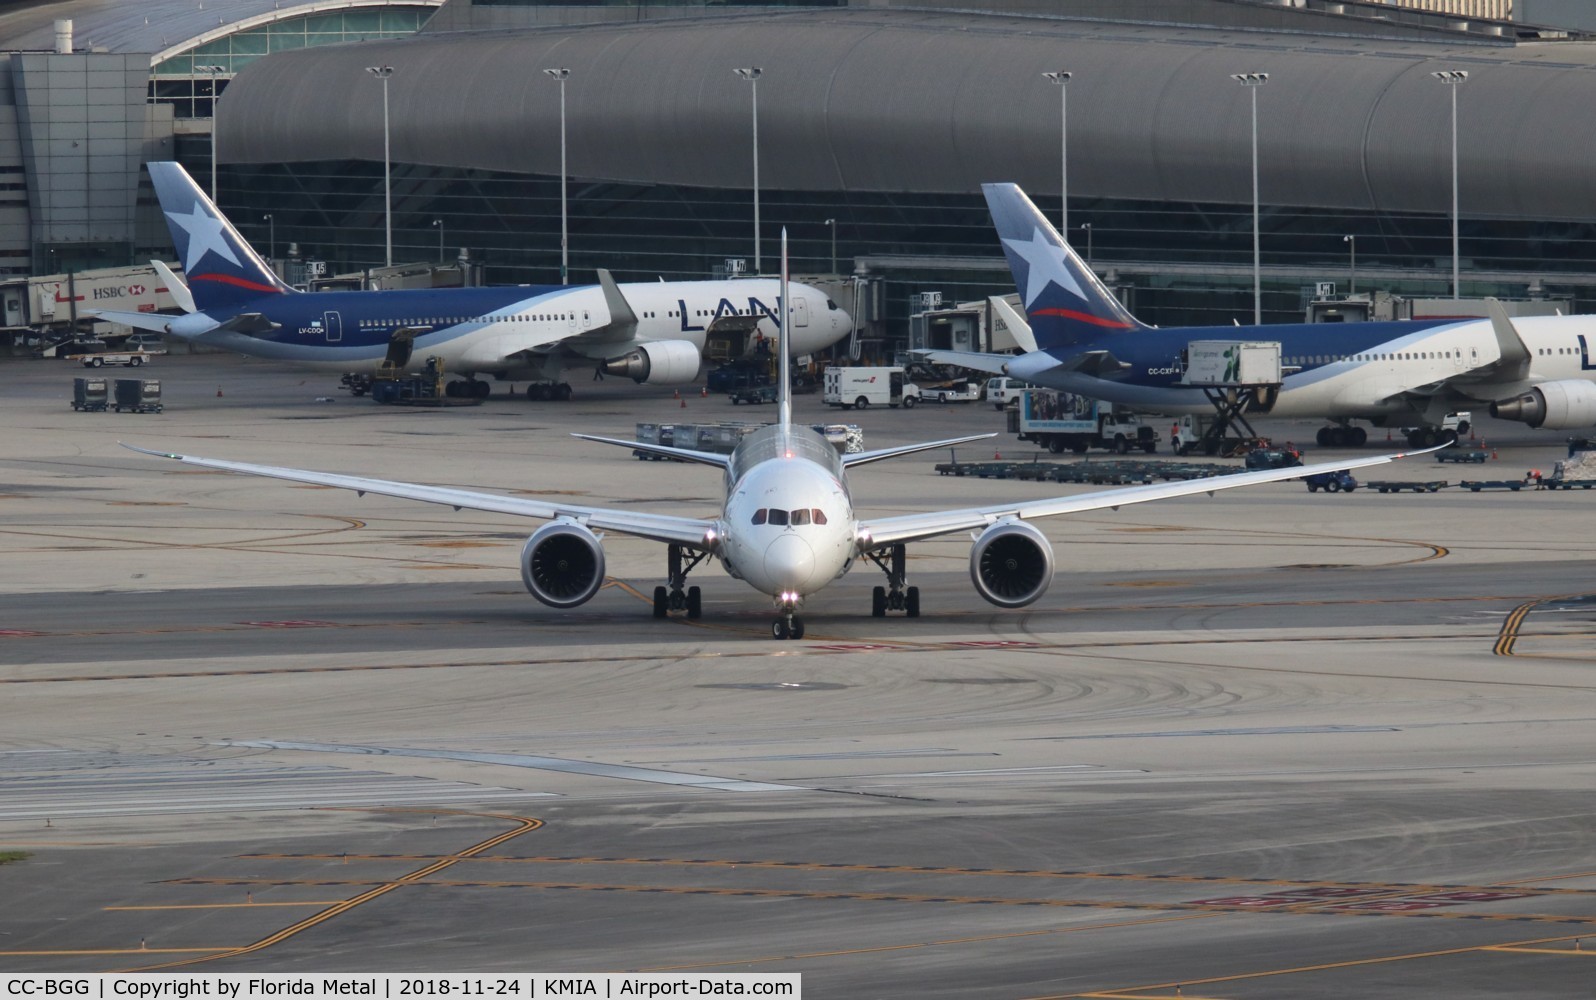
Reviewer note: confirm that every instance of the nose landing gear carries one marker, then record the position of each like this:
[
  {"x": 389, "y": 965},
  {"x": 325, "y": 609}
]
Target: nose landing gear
[
  {"x": 680, "y": 597},
  {"x": 789, "y": 625}
]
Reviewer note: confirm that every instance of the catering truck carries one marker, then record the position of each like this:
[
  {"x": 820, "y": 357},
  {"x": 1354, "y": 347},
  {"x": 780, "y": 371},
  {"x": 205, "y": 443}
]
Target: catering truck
[
  {"x": 860, "y": 388},
  {"x": 1065, "y": 420}
]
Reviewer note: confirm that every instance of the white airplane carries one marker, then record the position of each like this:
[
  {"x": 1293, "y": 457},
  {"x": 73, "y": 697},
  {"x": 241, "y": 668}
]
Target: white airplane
[
  {"x": 1537, "y": 370},
  {"x": 787, "y": 524},
  {"x": 651, "y": 332}
]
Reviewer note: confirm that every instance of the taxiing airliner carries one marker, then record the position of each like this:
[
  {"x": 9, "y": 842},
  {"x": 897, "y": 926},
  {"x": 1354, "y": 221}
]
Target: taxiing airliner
[
  {"x": 1538, "y": 370},
  {"x": 651, "y": 332},
  {"x": 787, "y": 524}
]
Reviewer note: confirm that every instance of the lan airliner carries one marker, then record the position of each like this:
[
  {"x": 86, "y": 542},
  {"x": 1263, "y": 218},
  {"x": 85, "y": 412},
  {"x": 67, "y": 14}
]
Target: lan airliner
[
  {"x": 652, "y": 332},
  {"x": 787, "y": 524},
  {"x": 1538, "y": 370}
]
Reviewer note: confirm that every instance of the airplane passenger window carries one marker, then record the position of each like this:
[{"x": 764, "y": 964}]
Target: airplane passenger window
[
  {"x": 800, "y": 516},
  {"x": 759, "y": 515},
  {"x": 778, "y": 516},
  {"x": 820, "y": 516}
]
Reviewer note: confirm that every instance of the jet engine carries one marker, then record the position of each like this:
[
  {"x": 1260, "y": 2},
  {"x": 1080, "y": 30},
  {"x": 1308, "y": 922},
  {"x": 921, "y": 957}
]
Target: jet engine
[
  {"x": 658, "y": 362},
  {"x": 1556, "y": 406},
  {"x": 562, "y": 564},
  {"x": 1011, "y": 564}
]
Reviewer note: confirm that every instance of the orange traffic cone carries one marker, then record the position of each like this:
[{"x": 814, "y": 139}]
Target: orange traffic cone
[
  {"x": 677, "y": 393},
  {"x": 703, "y": 392},
  {"x": 218, "y": 392},
  {"x": 997, "y": 456},
  {"x": 684, "y": 402},
  {"x": 1494, "y": 455}
]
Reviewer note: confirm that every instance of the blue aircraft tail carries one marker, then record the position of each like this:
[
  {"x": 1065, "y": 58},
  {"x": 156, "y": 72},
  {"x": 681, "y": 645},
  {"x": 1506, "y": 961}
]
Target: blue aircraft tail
[
  {"x": 1064, "y": 301},
  {"x": 223, "y": 271}
]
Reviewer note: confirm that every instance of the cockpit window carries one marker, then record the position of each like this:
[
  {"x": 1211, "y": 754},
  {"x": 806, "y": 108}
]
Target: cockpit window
[
  {"x": 800, "y": 516},
  {"x": 820, "y": 516},
  {"x": 759, "y": 515},
  {"x": 778, "y": 516},
  {"x": 831, "y": 305}
]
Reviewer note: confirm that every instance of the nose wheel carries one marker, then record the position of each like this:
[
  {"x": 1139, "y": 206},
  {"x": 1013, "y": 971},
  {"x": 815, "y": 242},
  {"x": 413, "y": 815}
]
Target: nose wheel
[{"x": 790, "y": 627}]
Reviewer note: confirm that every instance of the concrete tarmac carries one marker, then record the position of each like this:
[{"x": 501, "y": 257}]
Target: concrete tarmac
[{"x": 1263, "y": 744}]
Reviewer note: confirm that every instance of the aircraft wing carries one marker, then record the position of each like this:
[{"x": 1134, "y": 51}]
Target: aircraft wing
[
  {"x": 656, "y": 527},
  {"x": 1100, "y": 364},
  {"x": 912, "y": 527},
  {"x": 997, "y": 364},
  {"x": 716, "y": 459}
]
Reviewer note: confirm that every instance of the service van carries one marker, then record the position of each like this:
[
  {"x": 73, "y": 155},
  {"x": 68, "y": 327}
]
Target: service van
[
  {"x": 862, "y": 387},
  {"x": 1001, "y": 390}
]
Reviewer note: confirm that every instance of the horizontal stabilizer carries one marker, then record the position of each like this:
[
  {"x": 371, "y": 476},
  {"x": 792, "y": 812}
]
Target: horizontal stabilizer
[
  {"x": 664, "y": 451},
  {"x": 866, "y": 457},
  {"x": 153, "y": 322}
]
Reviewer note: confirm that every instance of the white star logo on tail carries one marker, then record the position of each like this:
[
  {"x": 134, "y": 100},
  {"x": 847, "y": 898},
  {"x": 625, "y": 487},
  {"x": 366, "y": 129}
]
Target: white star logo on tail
[
  {"x": 1044, "y": 263},
  {"x": 205, "y": 234}
]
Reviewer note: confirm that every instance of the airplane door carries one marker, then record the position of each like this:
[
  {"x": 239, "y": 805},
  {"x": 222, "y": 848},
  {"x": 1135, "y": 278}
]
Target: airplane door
[
  {"x": 572, "y": 324},
  {"x": 800, "y": 312},
  {"x": 333, "y": 323}
]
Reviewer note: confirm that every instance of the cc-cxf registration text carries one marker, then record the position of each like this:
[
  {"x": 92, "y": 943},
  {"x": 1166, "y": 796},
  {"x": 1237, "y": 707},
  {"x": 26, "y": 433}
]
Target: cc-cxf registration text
[{"x": 520, "y": 986}]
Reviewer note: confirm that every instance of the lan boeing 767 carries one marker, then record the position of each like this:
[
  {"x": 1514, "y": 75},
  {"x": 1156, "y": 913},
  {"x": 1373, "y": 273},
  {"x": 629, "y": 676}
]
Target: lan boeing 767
[{"x": 787, "y": 524}]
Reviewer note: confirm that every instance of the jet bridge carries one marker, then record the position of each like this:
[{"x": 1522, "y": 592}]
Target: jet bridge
[{"x": 1237, "y": 377}]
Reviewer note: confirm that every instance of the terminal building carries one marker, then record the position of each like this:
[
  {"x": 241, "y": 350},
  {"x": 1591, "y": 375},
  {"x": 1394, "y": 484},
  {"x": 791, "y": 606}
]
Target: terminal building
[{"x": 874, "y": 122}]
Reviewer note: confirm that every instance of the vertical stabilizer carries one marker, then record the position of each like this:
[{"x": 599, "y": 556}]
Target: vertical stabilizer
[
  {"x": 1062, "y": 298},
  {"x": 224, "y": 272},
  {"x": 784, "y": 345}
]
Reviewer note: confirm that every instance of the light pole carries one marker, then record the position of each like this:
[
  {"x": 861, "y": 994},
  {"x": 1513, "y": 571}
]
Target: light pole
[
  {"x": 1352, "y": 264},
  {"x": 1252, "y": 81},
  {"x": 214, "y": 71},
  {"x": 439, "y": 224},
  {"x": 1453, "y": 77},
  {"x": 751, "y": 74},
  {"x": 562, "y": 74},
  {"x": 833, "y": 224},
  {"x": 383, "y": 73},
  {"x": 1063, "y": 79},
  {"x": 1088, "y": 227},
  {"x": 271, "y": 246}
]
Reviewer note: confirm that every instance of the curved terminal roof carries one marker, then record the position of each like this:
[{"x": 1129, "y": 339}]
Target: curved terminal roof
[
  {"x": 897, "y": 100},
  {"x": 159, "y": 27}
]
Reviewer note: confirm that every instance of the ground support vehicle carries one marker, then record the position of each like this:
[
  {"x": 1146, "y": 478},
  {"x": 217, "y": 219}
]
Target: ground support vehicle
[
  {"x": 1273, "y": 458},
  {"x": 428, "y": 387},
  {"x": 1002, "y": 390},
  {"x": 860, "y": 388},
  {"x": 99, "y": 359},
  {"x": 1340, "y": 481},
  {"x": 89, "y": 394},
  {"x": 753, "y": 394},
  {"x": 1459, "y": 455},
  {"x": 358, "y": 383},
  {"x": 1062, "y": 420},
  {"x": 1407, "y": 485},
  {"x": 138, "y": 395}
]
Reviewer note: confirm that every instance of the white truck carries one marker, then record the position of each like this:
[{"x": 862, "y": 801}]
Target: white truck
[
  {"x": 861, "y": 388},
  {"x": 1060, "y": 420}
]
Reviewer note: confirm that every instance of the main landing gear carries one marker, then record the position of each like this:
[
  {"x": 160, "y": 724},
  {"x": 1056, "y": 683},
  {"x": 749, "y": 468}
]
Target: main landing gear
[
  {"x": 679, "y": 597},
  {"x": 894, "y": 596},
  {"x": 469, "y": 388},
  {"x": 539, "y": 392}
]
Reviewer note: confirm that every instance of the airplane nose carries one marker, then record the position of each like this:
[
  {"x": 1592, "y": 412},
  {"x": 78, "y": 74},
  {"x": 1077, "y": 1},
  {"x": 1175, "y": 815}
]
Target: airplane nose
[{"x": 790, "y": 562}]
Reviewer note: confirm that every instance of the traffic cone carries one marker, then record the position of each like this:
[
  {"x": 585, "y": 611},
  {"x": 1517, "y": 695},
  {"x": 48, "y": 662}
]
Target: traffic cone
[
  {"x": 1494, "y": 455},
  {"x": 218, "y": 392},
  {"x": 1388, "y": 433},
  {"x": 997, "y": 456},
  {"x": 703, "y": 392},
  {"x": 684, "y": 402},
  {"x": 677, "y": 393}
]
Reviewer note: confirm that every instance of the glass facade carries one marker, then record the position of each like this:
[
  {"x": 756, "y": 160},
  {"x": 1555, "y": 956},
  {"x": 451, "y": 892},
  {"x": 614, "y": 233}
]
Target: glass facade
[
  {"x": 1176, "y": 264},
  {"x": 178, "y": 80}
]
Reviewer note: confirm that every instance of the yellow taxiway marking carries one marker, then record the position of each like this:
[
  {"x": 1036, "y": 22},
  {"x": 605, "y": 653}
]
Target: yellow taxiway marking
[
  {"x": 526, "y": 825},
  {"x": 121, "y": 951},
  {"x": 224, "y": 906},
  {"x": 1544, "y": 951},
  {"x": 1132, "y": 992}
]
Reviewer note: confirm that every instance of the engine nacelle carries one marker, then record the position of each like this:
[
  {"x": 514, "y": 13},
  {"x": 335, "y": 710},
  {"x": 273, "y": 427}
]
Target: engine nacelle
[
  {"x": 1011, "y": 564},
  {"x": 1557, "y": 406},
  {"x": 562, "y": 564},
  {"x": 658, "y": 362}
]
